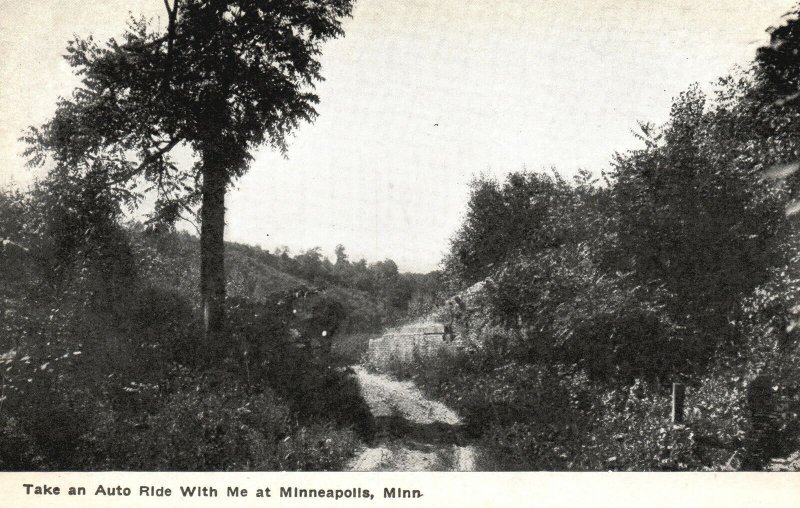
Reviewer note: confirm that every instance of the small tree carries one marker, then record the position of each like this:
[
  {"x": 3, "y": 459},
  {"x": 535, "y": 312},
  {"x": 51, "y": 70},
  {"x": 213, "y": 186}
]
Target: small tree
[{"x": 225, "y": 77}]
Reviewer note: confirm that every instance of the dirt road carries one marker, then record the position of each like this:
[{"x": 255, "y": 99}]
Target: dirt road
[{"x": 414, "y": 433}]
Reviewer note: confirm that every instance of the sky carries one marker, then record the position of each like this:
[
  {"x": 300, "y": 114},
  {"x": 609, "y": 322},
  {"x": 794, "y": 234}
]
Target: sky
[{"x": 419, "y": 97}]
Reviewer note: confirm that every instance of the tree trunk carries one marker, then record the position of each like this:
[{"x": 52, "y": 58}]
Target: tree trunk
[{"x": 212, "y": 247}]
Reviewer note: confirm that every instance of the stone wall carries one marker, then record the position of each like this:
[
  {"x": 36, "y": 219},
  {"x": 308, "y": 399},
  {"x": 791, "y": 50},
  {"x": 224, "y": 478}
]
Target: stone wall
[{"x": 404, "y": 343}]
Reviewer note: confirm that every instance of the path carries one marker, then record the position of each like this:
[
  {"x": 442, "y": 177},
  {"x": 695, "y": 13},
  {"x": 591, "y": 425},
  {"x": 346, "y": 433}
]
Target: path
[{"x": 414, "y": 433}]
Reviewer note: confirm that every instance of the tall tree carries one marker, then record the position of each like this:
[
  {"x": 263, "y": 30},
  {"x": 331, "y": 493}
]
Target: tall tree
[{"x": 224, "y": 77}]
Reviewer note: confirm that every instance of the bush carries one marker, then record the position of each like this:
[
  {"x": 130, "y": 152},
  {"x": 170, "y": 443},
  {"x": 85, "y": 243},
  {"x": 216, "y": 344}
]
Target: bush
[
  {"x": 18, "y": 450},
  {"x": 274, "y": 348},
  {"x": 537, "y": 417},
  {"x": 210, "y": 425},
  {"x": 558, "y": 306},
  {"x": 201, "y": 427},
  {"x": 318, "y": 447}
]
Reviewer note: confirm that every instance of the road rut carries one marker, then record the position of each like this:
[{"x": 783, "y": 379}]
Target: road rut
[{"x": 413, "y": 433}]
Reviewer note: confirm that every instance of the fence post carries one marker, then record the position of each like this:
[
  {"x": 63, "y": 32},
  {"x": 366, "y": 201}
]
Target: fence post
[{"x": 678, "y": 399}]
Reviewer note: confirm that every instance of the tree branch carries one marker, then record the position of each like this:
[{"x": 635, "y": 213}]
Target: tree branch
[
  {"x": 190, "y": 221},
  {"x": 144, "y": 45},
  {"x": 168, "y": 37},
  {"x": 151, "y": 157}
]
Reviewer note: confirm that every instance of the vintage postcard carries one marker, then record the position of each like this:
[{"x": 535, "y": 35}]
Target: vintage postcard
[{"x": 343, "y": 252}]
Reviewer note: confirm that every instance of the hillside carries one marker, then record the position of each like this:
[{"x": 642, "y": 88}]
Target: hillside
[
  {"x": 173, "y": 260},
  {"x": 255, "y": 275}
]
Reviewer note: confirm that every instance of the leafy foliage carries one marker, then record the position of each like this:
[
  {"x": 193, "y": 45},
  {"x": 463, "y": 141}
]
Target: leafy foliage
[
  {"x": 223, "y": 77},
  {"x": 100, "y": 368},
  {"x": 589, "y": 299},
  {"x": 696, "y": 215}
]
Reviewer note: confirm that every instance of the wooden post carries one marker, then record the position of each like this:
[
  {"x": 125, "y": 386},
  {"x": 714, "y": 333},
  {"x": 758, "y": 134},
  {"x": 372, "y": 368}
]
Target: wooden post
[{"x": 678, "y": 399}]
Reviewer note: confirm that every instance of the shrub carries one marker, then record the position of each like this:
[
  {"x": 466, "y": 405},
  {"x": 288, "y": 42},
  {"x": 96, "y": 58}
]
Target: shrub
[
  {"x": 98, "y": 388},
  {"x": 318, "y": 447},
  {"x": 208, "y": 425},
  {"x": 18, "y": 450},
  {"x": 204, "y": 428},
  {"x": 538, "y": 417},
  {"x": 564, "y": 309}
]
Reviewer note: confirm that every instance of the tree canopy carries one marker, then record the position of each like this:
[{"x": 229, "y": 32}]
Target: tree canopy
[{"x": 223, "y": 78}]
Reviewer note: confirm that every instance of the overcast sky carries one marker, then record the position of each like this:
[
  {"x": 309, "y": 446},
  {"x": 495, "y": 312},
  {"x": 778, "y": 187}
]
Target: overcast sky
[{"x": 420, "y": 96}]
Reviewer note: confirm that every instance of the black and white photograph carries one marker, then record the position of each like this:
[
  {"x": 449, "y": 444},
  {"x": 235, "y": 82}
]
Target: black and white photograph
[{"x": 399, "y": 236}]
